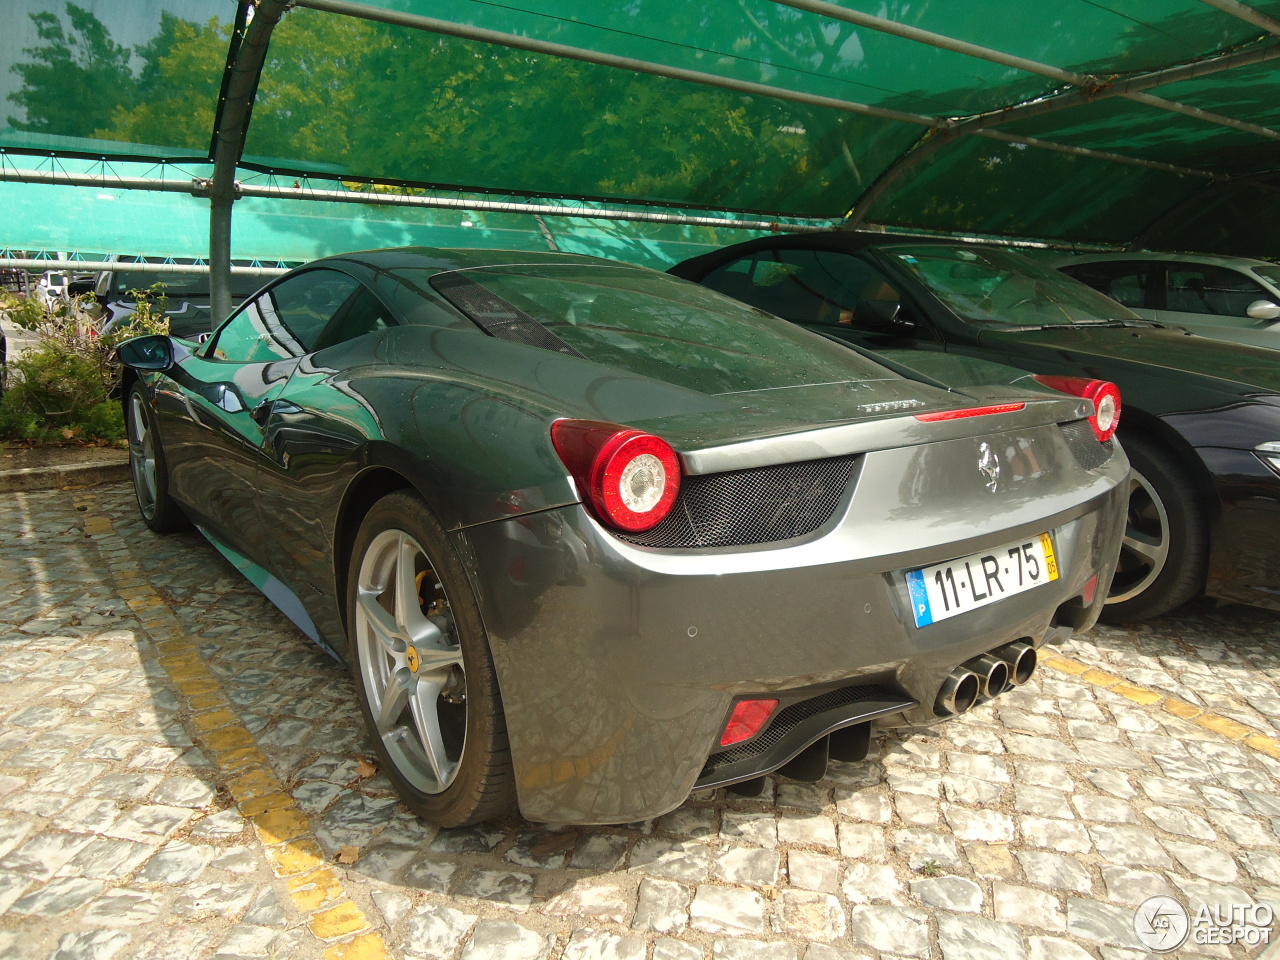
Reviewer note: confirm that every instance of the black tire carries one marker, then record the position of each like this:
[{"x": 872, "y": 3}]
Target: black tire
[
  {"x": 442, "y": 679},
  {"x": 1165, "y": 554},
  {"x": 148, "y": 465}
]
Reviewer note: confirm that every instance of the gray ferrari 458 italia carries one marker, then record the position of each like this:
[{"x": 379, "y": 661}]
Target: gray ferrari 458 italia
[{"x": 590, "y": 537}]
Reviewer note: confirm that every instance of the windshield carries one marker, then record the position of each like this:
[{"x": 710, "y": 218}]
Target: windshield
[
  {"x": 1270, "y": 274},
  {"x": 657, "y": 326},
  {"x": 996, "y": 287}
]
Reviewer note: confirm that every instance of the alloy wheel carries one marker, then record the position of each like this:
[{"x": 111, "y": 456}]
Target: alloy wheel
[
  {"x": 142, "y": 455},
  {"x": 1144, "y": 551},
  {"x": 410, "y": 661}
]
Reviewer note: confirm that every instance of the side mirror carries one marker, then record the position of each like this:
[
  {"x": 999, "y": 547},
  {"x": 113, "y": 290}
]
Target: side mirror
[
  {"x": 153, "y": 352},
  {"x": 1263, "y": 310}
]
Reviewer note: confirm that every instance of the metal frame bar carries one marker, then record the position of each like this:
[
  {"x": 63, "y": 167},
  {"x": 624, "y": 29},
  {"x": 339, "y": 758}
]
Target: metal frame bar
[
  {"x": 1033, "y": 108},
  {"x": 233, "y": 124},
  {"x": 1084, "y": 81},
  {"x": 1246, "y": 13},
  {"x": 200, "y": 187},
  {"x": 98, "y": 266}
]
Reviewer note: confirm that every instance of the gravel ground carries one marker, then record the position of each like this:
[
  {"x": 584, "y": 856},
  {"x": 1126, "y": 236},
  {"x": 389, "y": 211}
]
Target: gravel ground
[{"x": 183, "y": 775}]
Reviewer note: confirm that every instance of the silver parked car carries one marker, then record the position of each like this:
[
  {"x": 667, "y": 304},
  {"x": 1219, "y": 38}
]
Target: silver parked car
[
  {"x": 590, "y": 537},
  {"x": 1227, "y": 298}
]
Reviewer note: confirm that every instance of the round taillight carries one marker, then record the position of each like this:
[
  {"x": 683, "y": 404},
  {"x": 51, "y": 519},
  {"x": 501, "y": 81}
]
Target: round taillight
[
  {"x": 630, "y": 478},
  {"x": 1104, "y": 394}
]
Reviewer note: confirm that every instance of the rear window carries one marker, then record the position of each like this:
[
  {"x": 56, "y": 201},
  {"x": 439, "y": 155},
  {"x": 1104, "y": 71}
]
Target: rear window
[{"x": 654, "y": 325}]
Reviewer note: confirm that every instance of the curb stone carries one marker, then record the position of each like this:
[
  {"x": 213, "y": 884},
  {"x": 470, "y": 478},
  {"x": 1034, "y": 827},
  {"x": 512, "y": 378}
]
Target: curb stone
[{"x": 67, "y": 475}]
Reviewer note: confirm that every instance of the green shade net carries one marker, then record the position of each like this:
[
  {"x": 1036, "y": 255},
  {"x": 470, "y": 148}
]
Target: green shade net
[
  {"x": 353, "y": 100},
  {"x": 986, "y": 186}
]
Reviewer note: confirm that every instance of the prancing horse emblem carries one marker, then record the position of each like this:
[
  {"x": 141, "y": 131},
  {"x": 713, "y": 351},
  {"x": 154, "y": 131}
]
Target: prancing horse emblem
[{"x": 989, "y": 465}]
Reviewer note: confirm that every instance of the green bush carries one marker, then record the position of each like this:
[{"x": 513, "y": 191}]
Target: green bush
[{"x": 64, "y": 387}]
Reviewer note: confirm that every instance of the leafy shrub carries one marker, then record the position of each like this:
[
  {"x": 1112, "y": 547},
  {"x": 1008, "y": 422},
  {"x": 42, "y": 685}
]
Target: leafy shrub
[{"x": 65, "y": 386}]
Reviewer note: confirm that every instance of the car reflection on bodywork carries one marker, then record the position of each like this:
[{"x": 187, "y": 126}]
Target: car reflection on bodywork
[{"x": 590, "y": 537}]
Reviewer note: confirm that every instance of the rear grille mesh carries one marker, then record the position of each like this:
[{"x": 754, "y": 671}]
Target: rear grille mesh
[
  {"x": 1084, "y": 445},
  {"x": 788, "y": 718},
  {"x": 758, "y": 505}
]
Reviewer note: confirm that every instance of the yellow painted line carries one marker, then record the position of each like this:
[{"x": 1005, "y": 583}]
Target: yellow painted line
[
  {"x": 1225, "y": 726},
  {"x": 281, "y": 825}
]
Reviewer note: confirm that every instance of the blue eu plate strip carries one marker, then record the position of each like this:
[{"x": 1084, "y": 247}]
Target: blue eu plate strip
[{"x": 919, "y": 598}]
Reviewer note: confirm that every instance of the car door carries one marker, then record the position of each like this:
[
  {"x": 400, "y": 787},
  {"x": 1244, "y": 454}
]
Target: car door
[
  {"x": 213, "y": 422},
  {"x": 832, "y": 292},
  {"x": 1136, "y": 284},
  {"x": 1203, "y": 295},
  {"x": 317, "y": 424}
]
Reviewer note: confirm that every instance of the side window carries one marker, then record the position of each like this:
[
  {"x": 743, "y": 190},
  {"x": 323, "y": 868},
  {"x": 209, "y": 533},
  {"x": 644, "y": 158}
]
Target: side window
[
  {"x": 1122, "y": 280},
  {"x": 284, "y": 321},
  {"x": 1201, "y": 288},
  {"x": 818, "y": 287},
  {"x": 363, "y": 313}
]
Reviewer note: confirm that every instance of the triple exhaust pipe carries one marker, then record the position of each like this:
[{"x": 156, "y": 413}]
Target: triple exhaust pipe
[{"x": 985, "y": 676}]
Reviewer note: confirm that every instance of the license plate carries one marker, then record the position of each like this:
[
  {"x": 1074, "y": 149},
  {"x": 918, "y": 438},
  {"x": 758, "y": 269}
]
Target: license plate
[{"x": 958, "y": 586}]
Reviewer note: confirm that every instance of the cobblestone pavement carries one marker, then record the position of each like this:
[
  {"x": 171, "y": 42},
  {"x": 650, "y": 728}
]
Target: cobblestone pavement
[{"x": 182, "y": 775}]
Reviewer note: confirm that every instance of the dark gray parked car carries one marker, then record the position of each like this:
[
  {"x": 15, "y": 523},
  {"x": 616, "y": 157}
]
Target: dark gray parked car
[{"x": 591, "y": 537}]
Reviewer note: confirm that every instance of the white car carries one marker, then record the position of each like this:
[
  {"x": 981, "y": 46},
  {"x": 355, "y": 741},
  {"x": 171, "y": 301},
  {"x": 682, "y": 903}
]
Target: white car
[{"x": 1227, "y": 298}]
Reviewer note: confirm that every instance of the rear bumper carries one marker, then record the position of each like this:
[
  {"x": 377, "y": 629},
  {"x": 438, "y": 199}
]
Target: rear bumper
[{"x": 619, "y": 665}]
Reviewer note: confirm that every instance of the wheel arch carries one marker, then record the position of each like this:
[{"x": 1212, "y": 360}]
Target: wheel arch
[
  {"x": 361, "y": 494},
  {"x": 1184, "y": 456}
]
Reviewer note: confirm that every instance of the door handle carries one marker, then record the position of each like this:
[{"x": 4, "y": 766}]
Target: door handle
[{"x": 261, "y": 412}]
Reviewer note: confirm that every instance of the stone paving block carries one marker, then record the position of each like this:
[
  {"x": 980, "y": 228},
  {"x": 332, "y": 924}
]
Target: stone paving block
[
  {"x": 970, "y": 938},
  {"x": 753, "y": 950},
  {"x": 727, "y": 910},
  {"x": 1204, "y": 862},
  {"x": 503, "y": 940},
  {"x": 105, "y": 859},
  {"x": 809, "y": 915},
  {"x": 916, "y": 811},
  {"x": 599, "y": 945},
  {"x": 900, "y": 931},
  {"x": 667, "y": 949},
  {"x": 1028, "y": 906},
  {"x": 662, "y": 906},
  {"x": 920, "y": 847},
  {"x": 1101, "y": 923},
  {"x": 601, "y": 852},
  {"x": 686, "y": 861},
  {"x": 814, "y": 830},
  {"x": 498, "y": 886},
  {"x": 949, "y": 893},
  {"x": 1055, "y": 871},
  {"x": 90, "y": 945},
  {"x": 813, "y": 871},
  {"x": 58, "y": 896},
  {"x": 593, "y": 898},
  {"x": 435, "y": 931},
  {"x": 44, "y": 854}
]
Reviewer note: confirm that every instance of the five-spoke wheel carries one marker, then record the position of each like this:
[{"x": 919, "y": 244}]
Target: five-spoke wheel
[
  {"x": 423, "y": 671},
  {"x": 410, "y": 661},
  {"x": 147, "y": 464},
  {"x": 1164, "y": 553}
]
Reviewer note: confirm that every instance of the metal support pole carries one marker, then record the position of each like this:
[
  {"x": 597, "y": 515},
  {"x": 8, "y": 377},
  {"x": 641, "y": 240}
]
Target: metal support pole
[{"x": 229, "y": 146}]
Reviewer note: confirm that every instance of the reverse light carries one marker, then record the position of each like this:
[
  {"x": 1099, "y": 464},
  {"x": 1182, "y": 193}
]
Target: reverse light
[
  {"x": 747, "y": 719},
  {"x": 630, "y": 478},
  {"x": 1105, "y": 397},
  {"x": 969, "y": 412}
]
